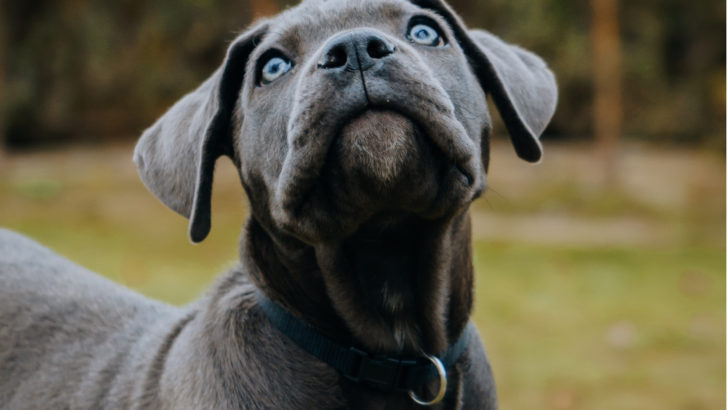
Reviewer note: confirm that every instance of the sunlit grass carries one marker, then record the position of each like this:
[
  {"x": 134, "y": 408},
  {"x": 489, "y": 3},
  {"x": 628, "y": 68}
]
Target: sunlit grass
[{"x": 603, "y": 328}]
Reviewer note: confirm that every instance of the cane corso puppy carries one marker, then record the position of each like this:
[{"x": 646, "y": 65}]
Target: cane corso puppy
[{"x": 360, "y": 131}]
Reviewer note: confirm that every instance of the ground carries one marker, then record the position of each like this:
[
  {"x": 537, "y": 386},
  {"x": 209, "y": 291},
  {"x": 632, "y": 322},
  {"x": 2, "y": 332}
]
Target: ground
[{"x": 589, "y": 296}]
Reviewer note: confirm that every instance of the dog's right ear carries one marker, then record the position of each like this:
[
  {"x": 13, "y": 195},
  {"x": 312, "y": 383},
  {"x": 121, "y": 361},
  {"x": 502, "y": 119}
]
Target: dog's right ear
[
  {"x": 520, "y": 83},
  {"x": 176, "y": 156}
]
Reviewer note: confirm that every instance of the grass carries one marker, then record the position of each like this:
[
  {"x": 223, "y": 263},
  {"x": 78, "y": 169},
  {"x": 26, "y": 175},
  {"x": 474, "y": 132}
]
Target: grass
[
  {"x": 616, "y": 328},
  {"x": 587, "y": 298}
]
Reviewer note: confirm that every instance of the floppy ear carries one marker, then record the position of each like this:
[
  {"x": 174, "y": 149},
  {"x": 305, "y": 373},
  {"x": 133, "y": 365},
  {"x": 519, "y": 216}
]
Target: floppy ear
[
  {"x": 521, "y": 85},
  {"x": 176, "y": 156}
]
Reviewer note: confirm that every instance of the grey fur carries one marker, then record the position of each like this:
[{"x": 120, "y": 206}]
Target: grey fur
[{"x": 359, "y": 174}]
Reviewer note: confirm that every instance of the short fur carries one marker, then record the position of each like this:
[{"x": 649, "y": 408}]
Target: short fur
[{"x": 359, "y": 164}]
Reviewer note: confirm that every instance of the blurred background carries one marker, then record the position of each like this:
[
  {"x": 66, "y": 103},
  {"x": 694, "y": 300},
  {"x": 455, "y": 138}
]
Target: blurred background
[{"x": 600, "y": 271}]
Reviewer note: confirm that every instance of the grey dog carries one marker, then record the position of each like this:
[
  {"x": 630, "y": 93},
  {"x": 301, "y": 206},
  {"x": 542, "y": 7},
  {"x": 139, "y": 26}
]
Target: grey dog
[{"x": 360, "y": 131}]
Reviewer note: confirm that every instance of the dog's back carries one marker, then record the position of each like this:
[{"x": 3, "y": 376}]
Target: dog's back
[{"x": 59, "y": 321}]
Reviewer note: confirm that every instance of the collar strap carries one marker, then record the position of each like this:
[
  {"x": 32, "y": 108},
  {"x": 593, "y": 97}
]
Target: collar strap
[{"x": 386, "y": 373}]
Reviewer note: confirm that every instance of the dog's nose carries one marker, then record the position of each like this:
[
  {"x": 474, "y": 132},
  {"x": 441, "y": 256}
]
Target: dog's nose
[{"x": 358, "y": 50}]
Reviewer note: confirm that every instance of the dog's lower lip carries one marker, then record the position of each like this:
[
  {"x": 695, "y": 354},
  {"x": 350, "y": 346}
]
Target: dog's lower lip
[
  {"x": 371, "y": 109},
  {"x": 466, "y": 177},
  {"x": 455, "y": 176}
]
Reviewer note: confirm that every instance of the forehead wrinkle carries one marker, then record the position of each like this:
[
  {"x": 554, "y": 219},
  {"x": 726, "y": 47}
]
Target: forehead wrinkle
[{"x": 302, "y": 29}]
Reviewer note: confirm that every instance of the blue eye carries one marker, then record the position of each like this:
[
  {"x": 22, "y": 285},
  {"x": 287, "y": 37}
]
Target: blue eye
[
  {"x": 425, "y": 35},
  {"x": 275, "y": 67}
]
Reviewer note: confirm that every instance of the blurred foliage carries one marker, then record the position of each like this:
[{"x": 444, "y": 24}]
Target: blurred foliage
[
  {"x": 79, "y": 69},
  {"x": 85, "y": 69},
  {"x": 673, "y": 61}
]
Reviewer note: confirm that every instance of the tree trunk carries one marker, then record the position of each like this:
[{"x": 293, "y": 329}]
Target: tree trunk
[
  {"x": 607, "y": 85},
  {"x": 263, "y": 8},
  {"x": 3, "y": 98},
  {"x": 3, "y": 62}
]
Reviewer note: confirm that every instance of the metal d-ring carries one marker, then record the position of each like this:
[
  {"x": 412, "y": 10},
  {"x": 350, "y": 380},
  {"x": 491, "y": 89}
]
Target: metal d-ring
[{"x": 443, "y": 384}]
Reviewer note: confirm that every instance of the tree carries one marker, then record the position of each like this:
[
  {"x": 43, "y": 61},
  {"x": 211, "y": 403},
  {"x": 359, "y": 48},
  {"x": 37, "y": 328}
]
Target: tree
[
  {"x": 607, "y": 64},
  {"x": 3, "y": 59},
  {"x": 262, "y": 8}
]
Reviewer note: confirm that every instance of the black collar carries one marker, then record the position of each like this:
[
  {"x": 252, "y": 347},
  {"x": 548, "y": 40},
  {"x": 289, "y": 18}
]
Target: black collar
[{"x": 382, "y": 372}]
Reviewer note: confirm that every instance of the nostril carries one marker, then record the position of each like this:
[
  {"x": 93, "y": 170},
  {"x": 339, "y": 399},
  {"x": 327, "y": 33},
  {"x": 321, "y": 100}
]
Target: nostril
[
  {"x": 377, "y": 48},
  {"x": 335, "y": 57}
]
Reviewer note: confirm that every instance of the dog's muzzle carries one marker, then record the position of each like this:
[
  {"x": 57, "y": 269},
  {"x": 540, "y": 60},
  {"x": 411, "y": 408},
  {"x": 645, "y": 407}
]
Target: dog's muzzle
[{"x": 370, "y": 120}]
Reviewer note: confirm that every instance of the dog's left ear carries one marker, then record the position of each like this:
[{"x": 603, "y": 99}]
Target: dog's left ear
[
  {"x": 176, "y": 156},
  {"x": 521, "y": 85}
]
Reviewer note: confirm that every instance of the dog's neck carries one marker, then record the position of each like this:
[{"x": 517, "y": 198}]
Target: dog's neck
[{"x": 401, "y": 289}]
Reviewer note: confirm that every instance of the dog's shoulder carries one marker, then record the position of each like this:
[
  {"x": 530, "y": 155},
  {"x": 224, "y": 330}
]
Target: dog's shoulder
[
  {"x": 59, "y": 321},
  {"x": 33, "y": 274},
  {"x": 19, "y": 249},
  {"x": 30, "y": 270},
  {"x": 38, "y": 284}
]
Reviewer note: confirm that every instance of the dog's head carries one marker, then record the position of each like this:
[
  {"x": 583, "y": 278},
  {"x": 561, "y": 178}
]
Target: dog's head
[{"x": 339, "y": 111}]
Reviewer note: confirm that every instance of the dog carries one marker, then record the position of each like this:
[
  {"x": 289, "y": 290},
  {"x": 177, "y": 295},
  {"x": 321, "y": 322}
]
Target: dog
[{"x": 360, "y": 131}]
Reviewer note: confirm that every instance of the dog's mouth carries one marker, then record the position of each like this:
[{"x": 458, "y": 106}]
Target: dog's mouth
[
  {"x": 384, "y": 149},
  {"x": 380, "y": 159}
]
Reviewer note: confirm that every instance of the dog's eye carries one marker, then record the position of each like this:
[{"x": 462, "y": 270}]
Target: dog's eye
[
  {"x": 274, "y": 67},
  {"x": 426, "y": 34}
]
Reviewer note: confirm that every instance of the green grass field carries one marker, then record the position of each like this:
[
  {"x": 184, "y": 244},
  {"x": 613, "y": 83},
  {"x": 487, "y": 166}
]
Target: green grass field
[{"x": 587, "y": 297}]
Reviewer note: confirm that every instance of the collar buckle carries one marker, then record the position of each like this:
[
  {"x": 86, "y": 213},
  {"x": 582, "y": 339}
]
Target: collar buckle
[{"x": 384, "y": 373}]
